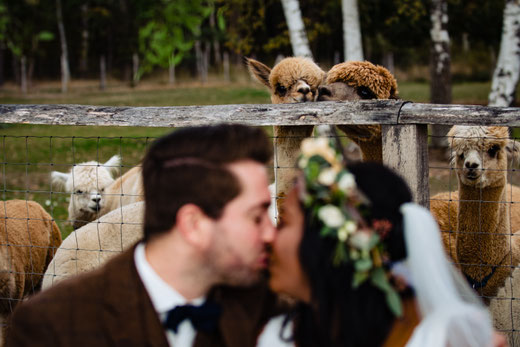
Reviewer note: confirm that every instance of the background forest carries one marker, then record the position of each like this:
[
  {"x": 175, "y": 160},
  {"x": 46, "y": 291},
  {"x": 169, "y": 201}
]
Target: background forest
[{"x": 133, "y": 40}]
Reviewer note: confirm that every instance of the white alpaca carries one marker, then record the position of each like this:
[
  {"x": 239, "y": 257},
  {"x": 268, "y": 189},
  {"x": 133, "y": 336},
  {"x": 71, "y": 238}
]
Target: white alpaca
[
  {"x": 95, "y": 192},
  {"x": 93, "y": 244},
  {"x": 28, "y": 239}
]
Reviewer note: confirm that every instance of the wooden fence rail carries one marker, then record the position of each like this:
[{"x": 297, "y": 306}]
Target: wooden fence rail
[{"x": 404, "y": 124}]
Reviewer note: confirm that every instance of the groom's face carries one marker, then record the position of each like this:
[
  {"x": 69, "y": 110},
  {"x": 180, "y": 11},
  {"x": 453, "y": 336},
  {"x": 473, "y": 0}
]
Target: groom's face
[{"x": 238, "y": 248}]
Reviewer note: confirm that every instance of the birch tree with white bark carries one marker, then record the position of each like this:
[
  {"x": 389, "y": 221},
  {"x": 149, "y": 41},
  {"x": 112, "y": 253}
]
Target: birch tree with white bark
[
  {"x": 293, "y": 17},
  {"x": 505, "y": 77},
  {"x": 353, "y": 48},
  {"x": 65, "y": 71},
  {"x": 440, "y": 65}
]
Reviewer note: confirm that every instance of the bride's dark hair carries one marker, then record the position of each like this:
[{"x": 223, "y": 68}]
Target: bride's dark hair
[{"x": 340, "y": 315}]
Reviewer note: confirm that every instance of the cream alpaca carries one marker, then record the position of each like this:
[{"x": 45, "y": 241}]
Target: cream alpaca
[
  {"x": 95, "y": 192},
  {"x": 93, "y": 244}
]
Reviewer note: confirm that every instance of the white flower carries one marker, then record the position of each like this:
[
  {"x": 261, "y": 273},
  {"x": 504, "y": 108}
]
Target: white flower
[
  {"x": 331, "y": 216},
  {"x": 47, "y": 202},
  {"x": 346, "y": 229},
  {"x": 319, "y": 146},
  {"x": 360, "y": 240},
  {"x": 347, "y": 182},
  {"x": 303, "y": 162},
  {"x": 327, "y": 176}
]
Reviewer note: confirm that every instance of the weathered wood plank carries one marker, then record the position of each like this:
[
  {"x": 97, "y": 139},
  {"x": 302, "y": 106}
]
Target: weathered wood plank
[
  {"x": 382, "y": 111},
  {"x": 361, "y": 112},
  {"x": 405, "y": 149},
  {"x": 459, "y": 114}
]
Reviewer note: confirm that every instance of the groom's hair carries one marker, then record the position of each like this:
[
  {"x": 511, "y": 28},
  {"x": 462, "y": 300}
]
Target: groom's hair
[
  {"x": 347, "y": 314},
  {"x": 189, "y": 165}
]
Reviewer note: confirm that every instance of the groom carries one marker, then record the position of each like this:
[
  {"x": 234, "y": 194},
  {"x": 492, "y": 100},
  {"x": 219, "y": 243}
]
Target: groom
[{"x": 195, "y": 279}]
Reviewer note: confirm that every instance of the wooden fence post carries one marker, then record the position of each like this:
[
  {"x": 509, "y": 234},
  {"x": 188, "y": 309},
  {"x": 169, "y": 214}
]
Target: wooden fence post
[{"x": 405, "y": 149}]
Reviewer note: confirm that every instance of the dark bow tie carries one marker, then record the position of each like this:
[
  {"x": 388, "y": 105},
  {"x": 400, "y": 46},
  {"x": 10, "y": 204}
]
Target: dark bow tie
[{"x": 203, "y": 318}]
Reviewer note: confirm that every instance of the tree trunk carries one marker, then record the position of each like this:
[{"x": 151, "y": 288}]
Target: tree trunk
[
  {"x": 135, "y": 69},
  {"x": 83, "y": 56},
  {"x": 23, "y": 74},
  {"x": 216, "y": 43},
  {"x": 440, "y": 66},
  {"x": 102, "y": 73},
  {"x": 171, "y": 73},
  {"x": 205, "y": 60},
  {"x": 388, "y": 61},
  {"x": 2, "y": 55},
  {"x": 299, "y": 40},
  {"x": 353, "y": 48},
  {"x": 65, "y": 72},
  {"x": 30, "y": 73},
  {"x": 198, "y": 59},
  {"x": 505, "y": 78},
  {"x": 225, "y": 66}
]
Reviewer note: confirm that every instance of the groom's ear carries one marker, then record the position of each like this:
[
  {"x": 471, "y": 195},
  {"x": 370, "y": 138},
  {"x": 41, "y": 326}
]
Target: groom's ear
[{"x": 195, "y": 227}]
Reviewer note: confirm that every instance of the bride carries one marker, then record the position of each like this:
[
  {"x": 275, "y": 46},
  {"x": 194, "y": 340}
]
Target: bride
[{"x": 365, "y": 265}]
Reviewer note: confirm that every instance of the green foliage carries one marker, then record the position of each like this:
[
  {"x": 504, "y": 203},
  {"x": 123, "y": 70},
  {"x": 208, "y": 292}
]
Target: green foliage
[{"x": 170, "y": 32}]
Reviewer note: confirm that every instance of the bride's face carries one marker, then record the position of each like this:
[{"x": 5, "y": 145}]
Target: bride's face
[{"x": 286, "y": 272}]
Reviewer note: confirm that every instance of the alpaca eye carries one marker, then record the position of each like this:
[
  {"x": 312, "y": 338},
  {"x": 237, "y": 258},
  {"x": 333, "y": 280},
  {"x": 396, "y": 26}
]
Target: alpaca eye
[
  {"x": 102, "y": 189},
  {"x": 365, "y": 93},
  {"x": 461, "y": 156},
  {"x": 281, "y": 90},
  {"x": 79, "y": 191},
  {"x": 493, "y": 150}
]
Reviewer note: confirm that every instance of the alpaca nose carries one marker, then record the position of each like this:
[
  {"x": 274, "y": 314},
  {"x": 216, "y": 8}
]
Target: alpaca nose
[
  {"x": 471, "y": 165},
  {"x": 324, "y": 91},
  {"x": 96, "y": 199},
  {"x": 304, "y": 89}
]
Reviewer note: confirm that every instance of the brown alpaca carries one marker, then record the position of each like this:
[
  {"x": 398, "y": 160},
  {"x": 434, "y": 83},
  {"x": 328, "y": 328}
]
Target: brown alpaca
[
  {"x": 482, "y": 244},
  {"x": 292, "y": 80},
  {"x": 358, "y": 80},
  {"x": 28, "y": 239},
  {"x": 347, "y": 81}
]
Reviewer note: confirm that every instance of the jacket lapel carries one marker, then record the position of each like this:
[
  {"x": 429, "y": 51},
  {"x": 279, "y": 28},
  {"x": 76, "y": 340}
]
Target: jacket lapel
[{"x": 129, "y": 316}]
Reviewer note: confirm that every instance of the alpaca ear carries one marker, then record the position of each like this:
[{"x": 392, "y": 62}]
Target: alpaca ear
[
  {"x": 113, "y": 164},
  {"x": 59, "y": 179},
  {"x": 259, "y": 70},
  {"x": 513, "y": 153}
]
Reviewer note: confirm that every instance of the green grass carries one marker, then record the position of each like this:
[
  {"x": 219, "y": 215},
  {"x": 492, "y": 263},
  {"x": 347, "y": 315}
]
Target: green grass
[{"x": 30, "y": 152}]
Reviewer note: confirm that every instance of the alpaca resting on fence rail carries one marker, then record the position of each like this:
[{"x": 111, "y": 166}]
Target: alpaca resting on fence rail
[
  {"x": 298, "y": 79},
  {"x": 28, "y": 239}
]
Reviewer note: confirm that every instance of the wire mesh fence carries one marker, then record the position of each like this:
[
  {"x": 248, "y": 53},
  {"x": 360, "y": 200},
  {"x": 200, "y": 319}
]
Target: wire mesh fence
[{"x": 478, "y": 220}]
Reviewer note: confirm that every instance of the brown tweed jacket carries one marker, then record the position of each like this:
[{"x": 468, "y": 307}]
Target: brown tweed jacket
[{"x": 110, "y": 307}]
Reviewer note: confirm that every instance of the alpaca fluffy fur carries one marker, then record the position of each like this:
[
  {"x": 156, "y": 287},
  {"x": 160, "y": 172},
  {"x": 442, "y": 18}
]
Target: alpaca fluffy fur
[
  {"x": 93, "y": 244},
  {"x": 95, "y": 192},
  {"x": 355, "y": 78},
  {"x": 29, "y": 237},
  {"x": 298, "y": 80},
  {"x": 480, "y": 214}
]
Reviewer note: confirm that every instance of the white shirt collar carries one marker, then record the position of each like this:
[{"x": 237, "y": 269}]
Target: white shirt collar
[{"x": 162, "y": 295}]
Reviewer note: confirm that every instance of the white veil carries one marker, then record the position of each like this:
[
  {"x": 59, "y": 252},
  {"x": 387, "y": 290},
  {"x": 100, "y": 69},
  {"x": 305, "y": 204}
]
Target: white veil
[{"x": 452, "y": 314}]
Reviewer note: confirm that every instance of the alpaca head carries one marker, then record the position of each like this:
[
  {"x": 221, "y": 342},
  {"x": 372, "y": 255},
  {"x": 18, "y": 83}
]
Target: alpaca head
[
  {"x": 479, "y": 155},
  {"x": 86, "y": 182},
  {"x": 358, "y": 80},
  {"x": 292, "y": 80}
]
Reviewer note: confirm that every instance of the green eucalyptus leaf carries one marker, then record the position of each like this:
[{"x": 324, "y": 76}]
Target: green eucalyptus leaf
[
  {"x": 363, "y": 264},
  {"x": 359, "y": 278},
  {"x": 394, "y": 302}
]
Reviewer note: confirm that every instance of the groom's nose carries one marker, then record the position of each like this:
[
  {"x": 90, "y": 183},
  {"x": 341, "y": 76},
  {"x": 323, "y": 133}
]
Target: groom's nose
[{"x": 269, "y": 230}]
